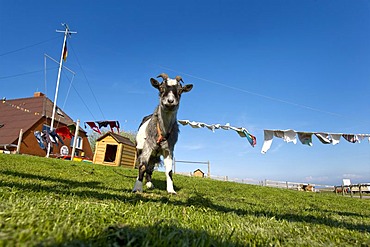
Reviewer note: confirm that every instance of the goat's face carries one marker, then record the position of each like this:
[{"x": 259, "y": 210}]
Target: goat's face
[{"x": 170, "y": 91}]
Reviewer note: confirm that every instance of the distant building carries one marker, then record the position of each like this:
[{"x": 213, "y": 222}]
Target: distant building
[
  {"x": 198, "y": 173},
  {"x": 33, "y": 115}
]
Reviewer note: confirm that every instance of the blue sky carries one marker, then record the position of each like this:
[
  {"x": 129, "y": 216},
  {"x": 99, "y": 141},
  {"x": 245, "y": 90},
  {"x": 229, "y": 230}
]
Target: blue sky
[{"x": 301, "y": 65}]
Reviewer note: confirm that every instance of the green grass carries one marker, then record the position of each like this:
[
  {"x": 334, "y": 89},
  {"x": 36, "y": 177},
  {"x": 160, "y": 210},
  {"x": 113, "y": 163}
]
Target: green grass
[{"x": 50, "y": 202}]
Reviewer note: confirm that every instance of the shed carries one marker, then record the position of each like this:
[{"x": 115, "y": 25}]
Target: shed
[
  {"x": 115, "y": 150},
  {"x": 198, "y": 173}
]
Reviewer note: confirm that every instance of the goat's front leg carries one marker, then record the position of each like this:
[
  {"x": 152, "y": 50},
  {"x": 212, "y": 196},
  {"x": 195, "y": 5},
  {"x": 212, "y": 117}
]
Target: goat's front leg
[
  {"x": 168, "y": 165},
  {"x": 138, "y": 187}
]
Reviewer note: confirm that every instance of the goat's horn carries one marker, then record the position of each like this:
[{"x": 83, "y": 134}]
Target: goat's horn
[
  {"x": 164, "y": 76},
  {"x": 178, "y": 78}
]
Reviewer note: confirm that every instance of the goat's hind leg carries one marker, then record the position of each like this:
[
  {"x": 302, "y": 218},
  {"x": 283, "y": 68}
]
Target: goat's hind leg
[
  {"x": 148, "y": 178},
  {"x": 149, "y": 171}
]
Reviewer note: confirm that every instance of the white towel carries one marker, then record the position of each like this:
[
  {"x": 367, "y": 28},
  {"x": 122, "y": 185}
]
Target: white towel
[{"x": 268, "y": 136}]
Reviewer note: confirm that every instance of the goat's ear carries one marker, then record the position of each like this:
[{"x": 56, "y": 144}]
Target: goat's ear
[
  {"x": 186, "y": 88},
  {"x": 155, "y": 83}
]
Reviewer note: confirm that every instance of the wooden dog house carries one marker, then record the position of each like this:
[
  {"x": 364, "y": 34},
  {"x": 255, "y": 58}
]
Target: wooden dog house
[{"x": 115, "y": 150}]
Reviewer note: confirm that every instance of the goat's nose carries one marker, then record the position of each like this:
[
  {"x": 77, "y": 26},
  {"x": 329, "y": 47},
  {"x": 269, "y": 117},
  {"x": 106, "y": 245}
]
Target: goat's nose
[{"x": 170, "y": 101}]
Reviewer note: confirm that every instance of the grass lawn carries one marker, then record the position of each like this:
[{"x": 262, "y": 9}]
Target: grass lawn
[{"x": 50, "y": 202}]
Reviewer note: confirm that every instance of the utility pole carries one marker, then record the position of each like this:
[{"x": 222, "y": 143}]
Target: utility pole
[{"x": 66, "y": 33}]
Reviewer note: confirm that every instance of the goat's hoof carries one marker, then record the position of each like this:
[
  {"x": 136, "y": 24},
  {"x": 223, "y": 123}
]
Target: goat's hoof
[
  {"x": 136, "y": 190},
  {"x": 172, "y": 192},
  {"x": 138, "y": 187},
  {"x": 150, "y": 185}
]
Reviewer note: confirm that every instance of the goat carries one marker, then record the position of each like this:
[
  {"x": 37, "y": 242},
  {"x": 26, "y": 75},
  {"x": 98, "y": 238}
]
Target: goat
[{"x": 158, "y": 132}]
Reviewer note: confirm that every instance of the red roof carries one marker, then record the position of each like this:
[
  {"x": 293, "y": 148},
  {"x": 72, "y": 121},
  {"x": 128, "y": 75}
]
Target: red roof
[{"x": 16, "y": 114}]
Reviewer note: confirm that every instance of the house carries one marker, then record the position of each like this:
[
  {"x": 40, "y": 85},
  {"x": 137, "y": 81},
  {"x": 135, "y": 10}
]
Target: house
[
  {"x": 25, "y": 117},
  {"x": 115, "y": 150},
  {"x": 198, "y": 173}
]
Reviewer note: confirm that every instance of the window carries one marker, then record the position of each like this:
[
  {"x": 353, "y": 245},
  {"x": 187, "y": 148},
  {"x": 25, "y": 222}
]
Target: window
[
  {"x": 78, "y": 143},
  {"x": 110, "y": 153}
]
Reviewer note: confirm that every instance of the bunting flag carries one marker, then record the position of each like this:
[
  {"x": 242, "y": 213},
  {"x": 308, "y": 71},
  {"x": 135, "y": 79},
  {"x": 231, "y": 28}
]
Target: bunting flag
[
  {"x": 65, "y": 51},
  {"x": 242, "y": 132}
]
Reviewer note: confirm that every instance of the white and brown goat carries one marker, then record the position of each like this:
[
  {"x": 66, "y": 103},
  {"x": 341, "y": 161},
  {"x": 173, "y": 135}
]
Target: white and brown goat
[{"x": 158, "y": 132}]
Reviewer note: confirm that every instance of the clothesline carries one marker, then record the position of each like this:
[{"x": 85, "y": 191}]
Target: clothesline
[
  {"x": 101, "y": 124},
  {"x": 288, "y": 135},
  {"x": 306, "y": 137},
  {"x": 243, "y": 132}
]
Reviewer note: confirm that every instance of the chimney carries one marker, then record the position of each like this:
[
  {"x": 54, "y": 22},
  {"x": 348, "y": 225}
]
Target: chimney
[{"x": 38, "y": 94}]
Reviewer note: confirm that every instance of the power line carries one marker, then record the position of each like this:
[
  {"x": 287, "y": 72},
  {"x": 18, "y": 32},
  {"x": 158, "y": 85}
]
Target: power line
[
  {"x": 71, "y": 85},
  {"x": 25, "y": 73},
  {"x": 28, "y": 46},
  {"x": 87, "y": 81},
  {"x": 258, "y": 94}
]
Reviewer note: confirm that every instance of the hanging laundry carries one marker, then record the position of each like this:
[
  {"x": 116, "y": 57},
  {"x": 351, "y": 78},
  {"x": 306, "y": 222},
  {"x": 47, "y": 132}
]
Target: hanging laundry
[
  {"x": 335, "y": 138},
  {"x": 251, "y": 138},
  {"x": 350, "y": 138},
  {"x": 361, "y": 137},
  {"x": 324, "y": 138},
  {"x": 111, "y": 124},
  {"x": 305, "y": 138},
  {"x": 195, "y": 125},
  {"x": 290, "y": 136},
  {"x": 114, "y": 124},
  {"x": 39, "y": 139},
  {"x": 64, "y": 132},
  {"x": 46, "y": 137},
  {"x": 93, "y": 126},
  {"x": 55, "y": 138},
  {"x": 72, "y": 129},
  {"x": 286, "y": 135},
  {"x": 267, "y": 140},
  {"x": 102, "y": 124},
  {"x": 241, "y": 131},
  {"x": 226, "y": 126}
]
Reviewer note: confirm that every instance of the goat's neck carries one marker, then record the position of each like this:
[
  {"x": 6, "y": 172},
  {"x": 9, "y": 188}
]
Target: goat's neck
[{"x": 166, "y": 119}]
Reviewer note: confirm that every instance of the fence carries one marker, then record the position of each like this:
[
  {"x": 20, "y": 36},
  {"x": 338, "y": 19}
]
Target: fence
[
  {"x": 297, "y": 186},
  {"x": 352, "y": 188},
  {"x": 266, "y": 182},
  {"x": 193, "y": 162}
]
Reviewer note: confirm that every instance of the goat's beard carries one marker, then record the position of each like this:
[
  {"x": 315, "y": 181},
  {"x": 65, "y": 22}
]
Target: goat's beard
[{"x": 170, "y": 108}]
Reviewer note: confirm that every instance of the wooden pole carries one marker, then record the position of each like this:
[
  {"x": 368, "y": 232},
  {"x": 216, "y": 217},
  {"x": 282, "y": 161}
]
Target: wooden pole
[
  {"x": 75, "y": 139},
  {"x": 209, "y": 170},
  {"x": 19, "y": 141},
  {"x": 174, "y": 166}
]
